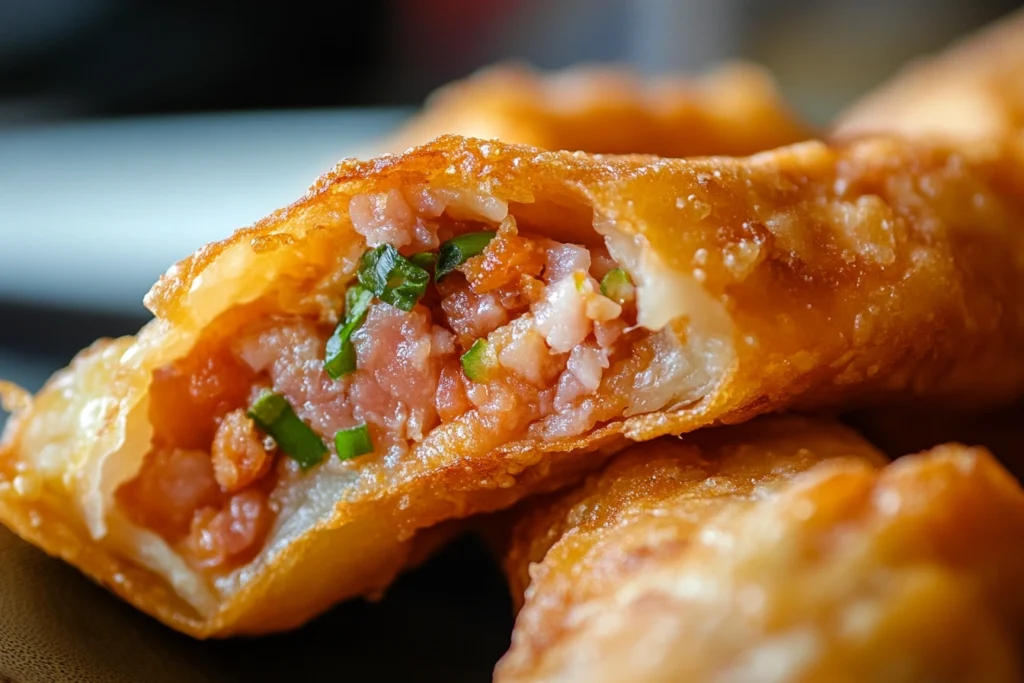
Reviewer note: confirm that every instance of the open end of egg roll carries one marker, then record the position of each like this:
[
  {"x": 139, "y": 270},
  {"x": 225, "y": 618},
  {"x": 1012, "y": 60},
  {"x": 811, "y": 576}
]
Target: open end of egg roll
[
  {"x": 517, "y": 350},
  {"x": 782, "y": 550},
  {"x": 434, "y": 334}
]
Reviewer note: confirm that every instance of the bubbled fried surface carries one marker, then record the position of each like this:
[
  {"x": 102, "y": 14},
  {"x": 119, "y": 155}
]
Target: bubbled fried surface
[
  {"x": 776, "y": 550},
  {"x": 851, "y": 274},
  {"x": 734, "y": 109}
]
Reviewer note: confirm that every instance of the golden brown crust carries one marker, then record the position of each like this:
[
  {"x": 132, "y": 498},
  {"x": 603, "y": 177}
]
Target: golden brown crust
[
  {"x": 733, "y": 110},
  {"x": 847, "y": 274},
  {"x": 773, "y": 548}
]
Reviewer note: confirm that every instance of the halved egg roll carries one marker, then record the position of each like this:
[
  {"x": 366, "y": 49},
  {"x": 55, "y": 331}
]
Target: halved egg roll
[
  {"x": 778, "y": 550},
  {"x": 734, "y": 110},
  {"x": 439, "y": 333}
]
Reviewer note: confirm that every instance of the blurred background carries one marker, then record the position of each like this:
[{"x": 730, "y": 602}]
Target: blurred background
[{"x": 69, "y": 59}]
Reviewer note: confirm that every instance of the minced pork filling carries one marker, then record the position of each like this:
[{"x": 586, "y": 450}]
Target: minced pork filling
[{"x": 445, "y": 320}]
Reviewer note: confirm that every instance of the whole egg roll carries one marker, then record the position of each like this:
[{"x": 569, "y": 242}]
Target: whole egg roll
[
  {"x": 778, "y": 550},
  {"x": 434, "y": 334},
  {"x": 971, "y": 94},
  {"x": 734, "y": 110}
]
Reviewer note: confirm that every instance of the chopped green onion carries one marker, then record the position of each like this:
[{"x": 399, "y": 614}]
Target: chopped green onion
[
  {"x": 353, "y": 442},
  {"x": 618, "y": 286},
  {"x": 273, "y": 414},
  {"x": 357, "y": 303},
  {"x": 425, "y": 260},
  {"x": 392, "y": 277},
  {"x": 479, "y": 361},
  {"x": 340, "y": 355},
  {"x": 457, "y": 251}
]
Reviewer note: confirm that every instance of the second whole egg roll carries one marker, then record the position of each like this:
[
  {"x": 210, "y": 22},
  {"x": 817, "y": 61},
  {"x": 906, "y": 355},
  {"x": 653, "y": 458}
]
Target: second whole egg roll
[
  {"x": 779, "y": 550},
  {"x": 735, "y": 109},
  {"x": 971, "y": 94},
  {"x": 430, "y": 335}
]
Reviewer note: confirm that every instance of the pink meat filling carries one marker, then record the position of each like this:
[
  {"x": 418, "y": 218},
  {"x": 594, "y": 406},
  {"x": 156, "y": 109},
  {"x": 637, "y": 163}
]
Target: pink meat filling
[
  {"x": 552, "y": 331},
  {"x": 543, "y": 334}
]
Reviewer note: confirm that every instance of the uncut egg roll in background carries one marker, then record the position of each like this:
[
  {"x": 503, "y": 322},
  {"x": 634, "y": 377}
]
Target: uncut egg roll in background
[
  {"x": 783, "y": 550},
  {"x": 734, "y": 109},
  {"x": 439, "y": 333},
  {"x": 971, "y": 94}
]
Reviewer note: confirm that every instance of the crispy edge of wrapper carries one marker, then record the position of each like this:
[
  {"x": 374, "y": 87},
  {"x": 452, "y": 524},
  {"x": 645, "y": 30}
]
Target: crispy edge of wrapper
[{"x": 44, "y": 521}]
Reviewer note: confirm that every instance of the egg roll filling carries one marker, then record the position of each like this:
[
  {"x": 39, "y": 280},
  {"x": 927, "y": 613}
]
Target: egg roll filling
[{"x": 446, "y": 319}]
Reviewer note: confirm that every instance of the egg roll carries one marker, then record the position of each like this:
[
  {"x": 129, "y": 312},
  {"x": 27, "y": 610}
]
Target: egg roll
[
  {"x": 778, "y": 550},
  {"x": 734, "y": 109},
  {"x": 435, "y": 334},
  {"x": 970, "y": 94}
]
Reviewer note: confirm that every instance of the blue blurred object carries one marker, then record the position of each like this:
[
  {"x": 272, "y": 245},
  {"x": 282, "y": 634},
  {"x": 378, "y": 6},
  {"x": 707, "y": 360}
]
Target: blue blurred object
[{"x": 92, "y": 214}]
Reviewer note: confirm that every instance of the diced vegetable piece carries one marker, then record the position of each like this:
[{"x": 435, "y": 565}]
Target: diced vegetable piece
[
  {"x": 479, "y": 361},
  {"x": 340, "y": 355},
  {"x": 458, "y": 250},
  {"x": 274, "y": 415},
  {"x": 392, "y": 277},
  {"x": 618, "y": 286},
  {"x": 353, "y": 442},
  {"x": 425, "y": 260}
]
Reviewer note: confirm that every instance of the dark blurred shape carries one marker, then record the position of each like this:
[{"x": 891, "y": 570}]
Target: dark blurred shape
[
  {"x": 447, "y": 622},
  {"x": 68, "y": 58},
  {"x": 59, "y": 333},
  {"x": 114, "y": 57},
  {"x": 912, "y": 430}
]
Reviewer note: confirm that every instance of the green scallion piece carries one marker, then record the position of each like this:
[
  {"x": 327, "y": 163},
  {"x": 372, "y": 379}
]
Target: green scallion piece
[
  {"x": 425, "y": 260},
  {"x": 351, "y": 443},
  {"x": 479, "y": 361},
  {"x": 274, "y": 415},
  {"x": 458, "y": 250},
  {"x": 392, "y": 277},
  {"x": 340, "y": 355},
  {"x": 618, "y": 286}
]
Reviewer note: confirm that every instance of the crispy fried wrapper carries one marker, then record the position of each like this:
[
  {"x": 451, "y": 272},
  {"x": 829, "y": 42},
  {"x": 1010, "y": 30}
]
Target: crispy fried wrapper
[
  {"x": 734, "y": 109},
  {"x": 782, "y": 549},
  {"x": 617, "y": 298}
]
